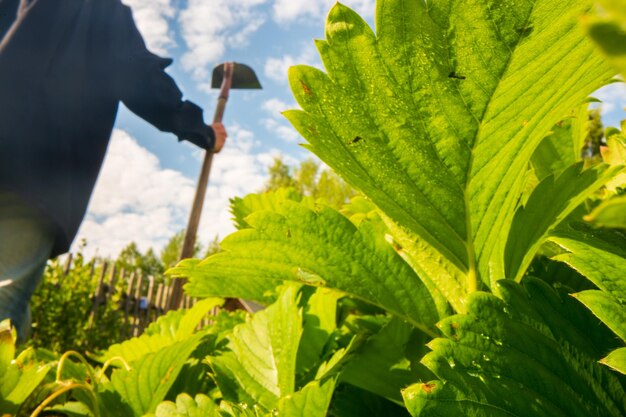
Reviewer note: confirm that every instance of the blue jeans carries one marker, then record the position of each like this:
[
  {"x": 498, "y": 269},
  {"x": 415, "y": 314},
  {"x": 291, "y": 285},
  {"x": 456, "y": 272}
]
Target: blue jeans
[{"x": 26, "y": 241}]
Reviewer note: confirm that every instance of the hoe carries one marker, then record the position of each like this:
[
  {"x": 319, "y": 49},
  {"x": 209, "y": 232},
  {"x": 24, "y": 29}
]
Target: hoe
[{"x": 226, "y": 76}]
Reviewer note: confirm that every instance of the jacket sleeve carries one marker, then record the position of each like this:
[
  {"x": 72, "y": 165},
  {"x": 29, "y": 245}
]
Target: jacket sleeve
[{"x": 148, "y": 91}]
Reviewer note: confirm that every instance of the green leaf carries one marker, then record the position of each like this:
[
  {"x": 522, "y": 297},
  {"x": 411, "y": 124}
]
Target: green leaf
[
  {"x": 73, "y": 409},
  {"x": 610, "y": 213},
  {"x": 145, "y": 385},
  {"x": 445, "y": 282},
  {"x": 434, "y": 117},
  {"x": 7, "y": 345},
  {"x": 608, "y": 30},
  {"x": 311, "y": 401},
  {"x": 350, "y": 401},
  {"x": 551, "y": 202},
  {"x": 614, "y": 153},
  {"x": 319, "y": 324},
  {"x": 616, "y": 360},
  {"x": 168, "y": 329},
  {"x": 599, "y": 255},
  {"x": 320, "y": 248},
  {"x": 243, "y": 207},
  {"x": 607, "y": 308},
  {"x": 562, "y": 147},
  {"x": 19, "y": 377},
  {"x": 203, "y": 283},
  {"x": 523, "y": 355},
  {"x": 180, "y": 324},
  {"x": 186, "y": 406},
  {"x": 259, "y": 367},
  {"x": 381, "y": 365}
]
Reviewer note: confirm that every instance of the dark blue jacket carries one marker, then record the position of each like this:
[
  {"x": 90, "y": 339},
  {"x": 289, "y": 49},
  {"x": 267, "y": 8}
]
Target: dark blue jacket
[{"x": 64, "y": 67}]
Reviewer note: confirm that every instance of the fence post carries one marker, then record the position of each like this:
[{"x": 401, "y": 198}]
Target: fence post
[
  {"x": 68, "y": 264},
  {"x": 136, "y": 323},
  {"x": 129, "y": 291},
  {"x": 157, "y": 301},
  {"x": 97, "y": 295},
  {"x": 146, "y": 315}
]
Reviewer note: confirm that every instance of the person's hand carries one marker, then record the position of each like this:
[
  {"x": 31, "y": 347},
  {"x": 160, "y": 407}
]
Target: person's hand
[{"x": 220, "y": 136}]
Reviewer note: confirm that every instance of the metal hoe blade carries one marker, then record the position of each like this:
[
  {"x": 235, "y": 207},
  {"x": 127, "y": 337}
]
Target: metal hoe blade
[{"x": 243, "y": 77}]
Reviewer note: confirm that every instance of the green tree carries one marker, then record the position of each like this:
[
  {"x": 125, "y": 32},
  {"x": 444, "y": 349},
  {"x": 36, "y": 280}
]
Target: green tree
[
  {"x": 309, "y": 180},
  {"x": 132, "y": 259},
  {"x": 213, "y": 247},
  {"x": 170, "y": 254},
  {"x": 280, "y": 176}
]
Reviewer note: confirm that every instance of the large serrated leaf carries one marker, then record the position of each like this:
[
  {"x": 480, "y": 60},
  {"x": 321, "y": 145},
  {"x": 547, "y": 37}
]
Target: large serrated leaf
[
  {"x": 550, "y": 202},
  {"x": 599, "y": 255},
  {"x": 319, "y": 324},
  {"x": 143, "y": 387},
  {"x": 243, "y": 207},
  {"x": 202, "y": 282},
  {"x": 260, "y": 365},
  {"x": 610, "y": 213},
  {"x": 435, "y": 116},
  {"x": 479, "y": 363},
  {"x": 20, "y": 376},
  {"x": 607, "y": 308},
  {"x": 186, "y": 406},
  {"x": 563, "y": 146},
  {"x": 167, "y": 330},
  {"x": 382, "y": 365},
  {"x": 616, "y": 360},
  {"x": 311, "y": 401},
  {"x": 324, "y": 249}
]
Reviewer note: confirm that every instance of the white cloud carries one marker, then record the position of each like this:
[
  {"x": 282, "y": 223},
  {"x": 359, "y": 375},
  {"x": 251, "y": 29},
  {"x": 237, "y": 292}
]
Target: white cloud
[
  {"x": 276, "y": 68},
  {"x": 153, "y": 21},
  {"x": 135, "y": 199},
  {"x": 276, "y": 123},
  {"x": 288, "y": 11},
  {"x": 276, "y": 106},
  {"x": 209, "y": 27},
  {"x": 613, "y": 97},
  {"x": 282, "y": 131}
]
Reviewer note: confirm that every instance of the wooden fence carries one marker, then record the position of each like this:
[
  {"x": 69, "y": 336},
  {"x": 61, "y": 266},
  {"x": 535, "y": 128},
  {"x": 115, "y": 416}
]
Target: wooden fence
[{"x": 140, "y": 300}]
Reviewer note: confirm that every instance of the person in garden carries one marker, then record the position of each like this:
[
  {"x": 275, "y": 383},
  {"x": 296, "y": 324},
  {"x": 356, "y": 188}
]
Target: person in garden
[{"x": 64, "y": 67}]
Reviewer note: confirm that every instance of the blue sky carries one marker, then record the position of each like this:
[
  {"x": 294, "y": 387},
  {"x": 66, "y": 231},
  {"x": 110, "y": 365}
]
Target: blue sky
[{"x": 146, "y": 186}]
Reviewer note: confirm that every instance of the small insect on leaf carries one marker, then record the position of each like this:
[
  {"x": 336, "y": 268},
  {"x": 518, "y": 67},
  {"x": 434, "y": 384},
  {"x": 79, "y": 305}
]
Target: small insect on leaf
[
  {"x": 355, "y": 140},
  {"x": 455, "y": 75},
  {"x": 306, "y": 88},
  {"x": 310, "y": 278}
]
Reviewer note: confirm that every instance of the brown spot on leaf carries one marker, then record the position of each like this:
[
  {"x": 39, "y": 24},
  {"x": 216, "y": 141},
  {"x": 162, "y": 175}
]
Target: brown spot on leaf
[
  {"x": 306, "y": 88},
  {"x": 428, "y": 388}
]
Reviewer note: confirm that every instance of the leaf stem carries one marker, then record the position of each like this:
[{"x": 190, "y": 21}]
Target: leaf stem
[
  {"x": 80, "y": 357},
  {"x": 472, "y": 273},
  {"x": 110, "y": 361},
  {"x": 56, "y": 394}
]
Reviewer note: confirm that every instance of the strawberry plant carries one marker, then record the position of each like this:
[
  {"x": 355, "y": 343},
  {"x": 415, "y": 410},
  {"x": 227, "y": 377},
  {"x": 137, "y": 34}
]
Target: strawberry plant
[
  {"x": 444, "y": 119},
  {"x": 479, "y": 273}
]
